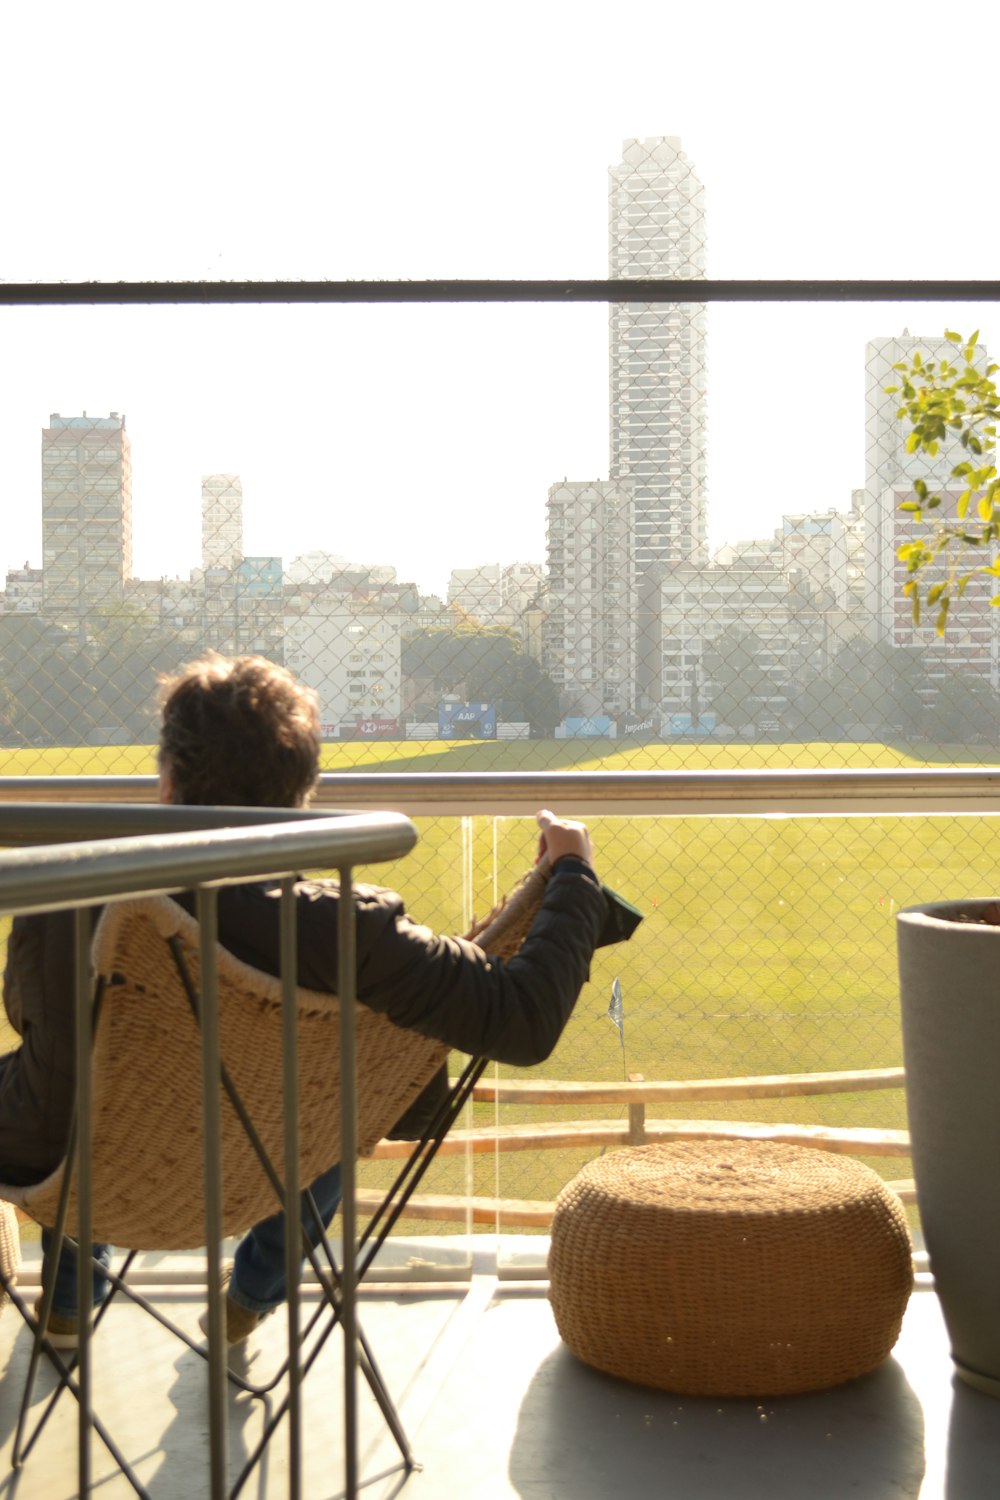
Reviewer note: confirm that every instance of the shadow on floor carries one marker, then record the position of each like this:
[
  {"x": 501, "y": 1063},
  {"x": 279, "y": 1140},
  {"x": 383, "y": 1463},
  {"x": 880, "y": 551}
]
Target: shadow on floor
[
  {"x": 973, "y": 1445},
  {"x": 600, "y": 1437}
]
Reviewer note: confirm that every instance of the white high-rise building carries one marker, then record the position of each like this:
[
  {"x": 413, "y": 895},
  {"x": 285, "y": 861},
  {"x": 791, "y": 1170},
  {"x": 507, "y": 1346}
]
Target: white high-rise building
[
  {"x": 496, "y": 593},
  {"x": 589, "y": 634},
  {"x": 520, "y": 584},
  {"x": 317, "y": 567},
  {"x": 86, "y": 516},
  {"x": 477, "y": 591},
  {"x": 351, "y": 655},
  {"x": 658, "y": 354},
  {"x": 221, "y": 520},
  {"x": 972, "y": 641}
]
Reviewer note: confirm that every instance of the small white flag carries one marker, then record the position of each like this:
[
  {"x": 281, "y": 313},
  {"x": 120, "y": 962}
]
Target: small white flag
[{"x": 616, "y": 1008}]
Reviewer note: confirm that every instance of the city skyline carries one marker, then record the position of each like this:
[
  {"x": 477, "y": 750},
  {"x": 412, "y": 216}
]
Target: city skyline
[
  {"x": 888, "y": 474},
  {"x": 608, "y": 632},
  {"x": 274, "y": 527},
  {"x": 323, "y": 411}
]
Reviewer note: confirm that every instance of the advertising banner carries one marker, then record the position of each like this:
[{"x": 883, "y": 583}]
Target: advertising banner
[
  {"x": 371, "y": 729},
  {"x": 640, "y": 724},
  {"x": 467, "y": 721},
  {"x": 378, "y": 729},
  {"x": 684, "y": 724},
  {"x": 593, "y": 727}
]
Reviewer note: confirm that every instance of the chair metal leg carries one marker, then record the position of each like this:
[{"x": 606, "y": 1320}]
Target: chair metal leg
[
  {"x": 67, "y": 1381},
  {"x": 64, "y": 1367},
  {"x": 376, "y": 1231},
  {"x": 51, "y": 1260},
  {"x": 373, "y": 1237},
  {"x": 406, "y": 1182},
  {"x": 376, "y": 1384}
]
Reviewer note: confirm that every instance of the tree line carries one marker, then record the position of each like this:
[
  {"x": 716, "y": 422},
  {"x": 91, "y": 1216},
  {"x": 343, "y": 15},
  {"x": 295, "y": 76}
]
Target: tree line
[
  {"x": 482, "y": 664},
  {"x": 56, "y": 688},
  {"x": 59, "y": 689},
  {"x": 865, "y": 687}
]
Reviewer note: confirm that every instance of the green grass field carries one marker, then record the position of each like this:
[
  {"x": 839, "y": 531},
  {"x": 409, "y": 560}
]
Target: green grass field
[
  {"x": 523, "y": 755},
  {"x": 768, "y": 944}
]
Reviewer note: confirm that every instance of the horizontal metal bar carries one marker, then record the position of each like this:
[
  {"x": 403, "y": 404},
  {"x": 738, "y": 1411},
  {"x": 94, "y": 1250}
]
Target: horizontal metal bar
[
  {"x": 622, "y": 289},
  {"x": 897, "y": 791},
  {"x": 57, "y": 876},
  {"x": 558, "y": 1091},
  {"x": 671, "y": 793},
  {"x": 99, "y": 789},
  {"x": 135, "y": 811}
]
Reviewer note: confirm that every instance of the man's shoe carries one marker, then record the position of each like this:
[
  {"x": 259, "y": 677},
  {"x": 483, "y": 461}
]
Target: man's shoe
[
  {"x": 240, "y": 1321},
  {"x": 61, "y": 1331}
]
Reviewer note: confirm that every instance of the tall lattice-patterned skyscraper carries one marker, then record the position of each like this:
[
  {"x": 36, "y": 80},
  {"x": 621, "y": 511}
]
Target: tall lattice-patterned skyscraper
[
  {"x": 658, "y": 359},
  {"x": 86, "y": 516},
  {"x": 221, "y": 520}
]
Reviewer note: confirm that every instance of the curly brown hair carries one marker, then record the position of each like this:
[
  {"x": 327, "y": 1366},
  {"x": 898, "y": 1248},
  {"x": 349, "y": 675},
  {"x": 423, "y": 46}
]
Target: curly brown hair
[{"x": 238, "y": 732}]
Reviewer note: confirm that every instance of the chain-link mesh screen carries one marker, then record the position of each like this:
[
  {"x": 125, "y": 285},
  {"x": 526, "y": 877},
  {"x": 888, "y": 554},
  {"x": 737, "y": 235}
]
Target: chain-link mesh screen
[
  {"x": 768, "y": 947},
  {"x": 725, "y": 593},
  {"x": 730, "y": 579}
]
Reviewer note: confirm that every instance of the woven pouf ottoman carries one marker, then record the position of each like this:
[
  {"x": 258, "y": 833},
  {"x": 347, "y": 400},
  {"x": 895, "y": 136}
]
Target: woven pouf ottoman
[{"x": 729, "y": 1268}]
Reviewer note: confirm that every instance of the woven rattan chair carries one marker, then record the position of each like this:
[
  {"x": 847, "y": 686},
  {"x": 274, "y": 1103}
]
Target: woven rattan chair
[
  {"x": 147, "y": 1160},
  {"x": 145, "y": 1019},
  {"x": 10, "y": 1251}
]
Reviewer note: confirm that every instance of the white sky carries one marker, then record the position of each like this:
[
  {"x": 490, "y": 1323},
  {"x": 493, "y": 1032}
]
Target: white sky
[{"x": 217, "y": 140}]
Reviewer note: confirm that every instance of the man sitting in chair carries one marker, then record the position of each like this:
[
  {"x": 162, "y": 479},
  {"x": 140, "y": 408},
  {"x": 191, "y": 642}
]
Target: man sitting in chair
[{"x": 245, "y": 733}]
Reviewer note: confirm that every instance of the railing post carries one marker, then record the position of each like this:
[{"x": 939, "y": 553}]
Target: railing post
[
  {"x": 293, "y": 1205},
  {"x": 166, "y": 849},
  {"x": 347, "y": 945},
  {"x": 207, "y": 913},
  {"x": 636, "y": 1116},
  {"x": 84, "y": 1222}
]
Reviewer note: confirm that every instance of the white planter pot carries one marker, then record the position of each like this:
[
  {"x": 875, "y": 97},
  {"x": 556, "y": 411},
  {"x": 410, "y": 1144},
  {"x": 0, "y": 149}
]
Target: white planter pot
[{"x": 949, "y": 969}]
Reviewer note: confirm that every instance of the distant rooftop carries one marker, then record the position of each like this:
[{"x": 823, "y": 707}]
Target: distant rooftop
[{"x": 114, "y": 420}]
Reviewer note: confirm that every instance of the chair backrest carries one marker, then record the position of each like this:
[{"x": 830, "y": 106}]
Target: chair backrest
[{"x": 148, "y": 1180}]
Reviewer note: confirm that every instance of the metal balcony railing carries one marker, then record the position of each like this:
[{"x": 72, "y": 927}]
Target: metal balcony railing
[
  {"x": 768, "y": 793},
  {"x": 85, "y": 856}
]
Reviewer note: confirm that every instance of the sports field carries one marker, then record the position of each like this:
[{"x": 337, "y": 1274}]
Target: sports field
[
  {"x": 767, "y": 946},
  {"x": 524, "y": 755}
]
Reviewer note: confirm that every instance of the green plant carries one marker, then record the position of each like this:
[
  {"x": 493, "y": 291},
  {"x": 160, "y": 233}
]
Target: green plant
[{"x": 945, "y": 403}]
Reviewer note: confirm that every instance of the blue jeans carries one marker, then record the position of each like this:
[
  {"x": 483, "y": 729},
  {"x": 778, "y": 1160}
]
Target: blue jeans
[
  {"x": 258, "y": 1280},
  {"x": 64, "y": 1297}
]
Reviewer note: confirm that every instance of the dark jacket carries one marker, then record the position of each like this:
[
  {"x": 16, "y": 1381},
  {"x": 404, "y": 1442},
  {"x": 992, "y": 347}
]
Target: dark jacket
[{"x": 442, "y": 987}]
